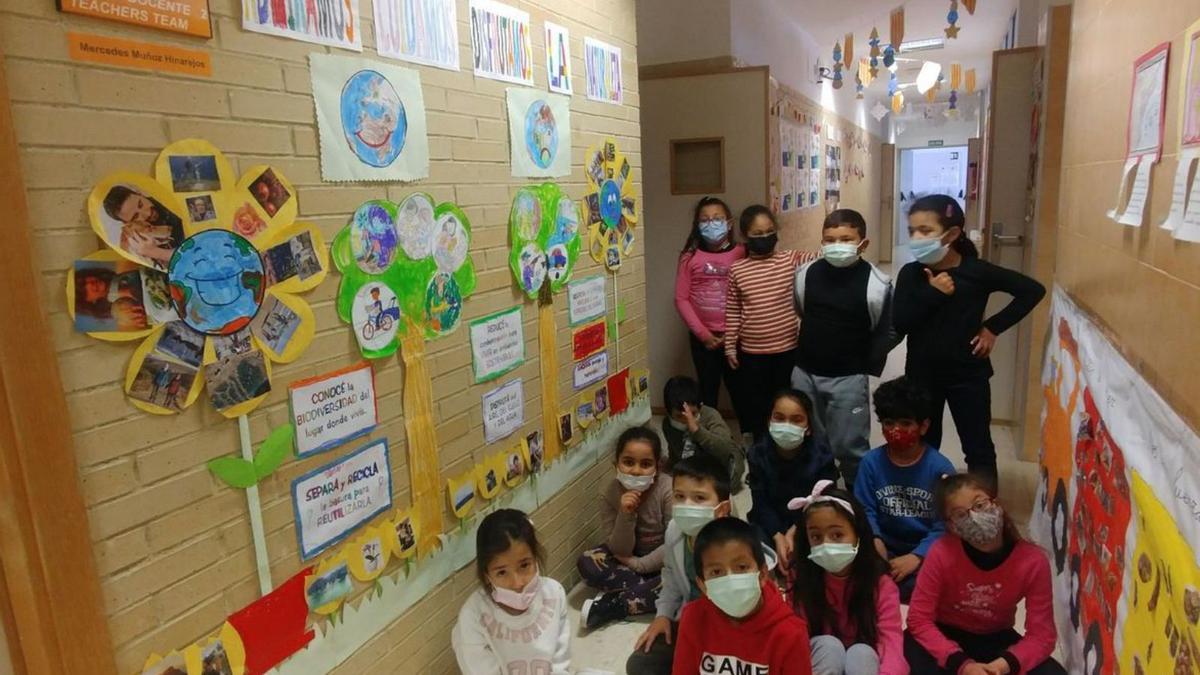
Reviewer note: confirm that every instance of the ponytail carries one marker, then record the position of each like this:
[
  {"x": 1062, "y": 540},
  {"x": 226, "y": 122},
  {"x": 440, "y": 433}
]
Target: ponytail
[{"x": 949, "y": 214}]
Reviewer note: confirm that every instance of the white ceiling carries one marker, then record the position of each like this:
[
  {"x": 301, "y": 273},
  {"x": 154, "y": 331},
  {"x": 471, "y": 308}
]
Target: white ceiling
[{"x": 827, "y": 22}]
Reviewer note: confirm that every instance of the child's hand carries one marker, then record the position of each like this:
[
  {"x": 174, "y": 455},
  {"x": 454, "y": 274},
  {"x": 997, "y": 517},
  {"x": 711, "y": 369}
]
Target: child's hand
[
  {"x": 660, "y": 626},
  {"x": 630, "y": 501},
  {"x": 943, "y": 281},
  {"x": 733, "y": 361},
  {"x": 982, "y": 344},
  {"x": 783, "y": 546},
  {"x": 881, "y": 547},
  {"x": 715, "y": 341},
  {"x": 691, "y": 417},
  {"x": 972, "y": 668},
  {"x": 903, "y": 566},
  {"x": 997, "y": 667}
]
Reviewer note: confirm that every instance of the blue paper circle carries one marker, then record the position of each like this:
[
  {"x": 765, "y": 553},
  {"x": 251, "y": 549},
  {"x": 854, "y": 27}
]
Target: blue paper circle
[
  {"x": 373, "y": 118},
  {"x": 541, "y": 134},
  {"x": 216, "y": 280},
  {"x": 610, "y": 203}
]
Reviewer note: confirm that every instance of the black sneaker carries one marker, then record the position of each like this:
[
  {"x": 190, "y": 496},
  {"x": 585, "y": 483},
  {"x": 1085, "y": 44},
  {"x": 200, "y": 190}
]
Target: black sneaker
[{"x": 602, "y": 609}]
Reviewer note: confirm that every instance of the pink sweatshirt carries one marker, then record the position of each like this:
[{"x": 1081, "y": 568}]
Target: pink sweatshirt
[
  {"x": 951, "y": 590},
  {"x": 890, "y": 641},
  {"x": 700, "y": 286}
]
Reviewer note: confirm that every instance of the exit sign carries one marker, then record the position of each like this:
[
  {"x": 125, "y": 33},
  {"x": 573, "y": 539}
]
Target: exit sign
[{"x": 937, "y": 144}]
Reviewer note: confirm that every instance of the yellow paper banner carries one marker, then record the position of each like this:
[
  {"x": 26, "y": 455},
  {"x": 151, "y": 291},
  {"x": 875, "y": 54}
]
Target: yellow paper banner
[{"x": 422, "y": 439}]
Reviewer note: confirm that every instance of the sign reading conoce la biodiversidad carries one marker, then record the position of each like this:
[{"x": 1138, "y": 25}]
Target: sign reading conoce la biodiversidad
[{"x": 330, "y": 409}]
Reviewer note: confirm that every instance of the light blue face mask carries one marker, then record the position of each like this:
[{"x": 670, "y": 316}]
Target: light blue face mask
[
  {"x": 833, "y": 557},
  {"x": 714, "y": 231},
  {"x": 928, "y": 251},
  {"x": 840, "y": 254},
  {"x": 735, "y": 594}
]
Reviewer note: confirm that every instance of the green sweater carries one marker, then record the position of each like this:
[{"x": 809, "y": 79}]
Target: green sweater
[{"x": 713, "y": 437}]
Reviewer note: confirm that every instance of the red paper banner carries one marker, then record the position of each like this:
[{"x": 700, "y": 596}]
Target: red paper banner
[
  {"x": 588, "y": 340},
  {"x": 274, "y": 627},
  {"x": 618, "y": 392}
]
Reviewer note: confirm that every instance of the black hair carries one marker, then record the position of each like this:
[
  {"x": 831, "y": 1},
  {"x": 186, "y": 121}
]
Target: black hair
[
  {"x": 844, "y": 217},
  {"x": 639, "y": 434},
  {"x": 679, "y": 390},
  {"x": 704, "y": 467},
  {"x": 750, "y": 213},
  {"x": 801, "y": 398},
  {"x": 723, "y": 531},
  {"x": 497, "y": 533},
  {"x": 100, "y": 308},
  {"x": 903, "y": 399},
  {"x": 808, "y": 586},
  {"x": 115, "y": 199},
  {"x": 694, "y": 240},
  {"x": 947, "y": 485},
  {"x": 949, "y": 214}
]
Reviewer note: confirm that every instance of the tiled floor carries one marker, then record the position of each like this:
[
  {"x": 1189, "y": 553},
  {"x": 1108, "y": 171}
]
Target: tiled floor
[{"x": 605, "y": 650}]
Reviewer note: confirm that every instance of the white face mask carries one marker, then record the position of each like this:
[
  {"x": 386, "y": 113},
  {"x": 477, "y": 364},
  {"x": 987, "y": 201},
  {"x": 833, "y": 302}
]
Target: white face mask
[
  {"x": 928, "y": 251},
  {"x": 787, "y": 436},
  {"x": 691, "y": 518},
  {"x": 518, "y": 600},
  {"x": 735, "y": 594},
  {"x": 634, "y": 483},
  {"x": 840, "y": 254},
  {"x": 833, "y": 557}
]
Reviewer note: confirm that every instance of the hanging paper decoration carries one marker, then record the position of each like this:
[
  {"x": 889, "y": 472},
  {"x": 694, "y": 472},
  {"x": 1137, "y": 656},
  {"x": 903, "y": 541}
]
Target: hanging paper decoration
[
  {"x": 544, "y": 231},
  {"x": 848, "y": 51},
  {"x": 874, "y": 42},
  {"x": 203, "y": 268},
  {"x": 893, "y": 85},
  {"x": 952, "y": 19},
  {"x": 970, "y": 5},
  {"x": 878, "y": 111},
  {"x": 865, "y": 73},
  {"x": 889, "y": 57},
  {"x": 953, "y": 103},
  {"x": 955, "y": 75},
  {"x": 969, "y": 80},
  {"x": 931, "y": 95},
  {"x": 897, "y": 102},
  {"x": 858, "y": 85},
  {"x": 401, "y": 263},
  {"x": 837, "y": 65},
  {"x": 897, "y": 35},
  {"x": 610, "y": 207}
]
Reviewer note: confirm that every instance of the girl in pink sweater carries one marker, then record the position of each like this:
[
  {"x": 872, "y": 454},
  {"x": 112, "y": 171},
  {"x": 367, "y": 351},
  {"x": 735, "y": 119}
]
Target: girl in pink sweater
[
  {"x": 964, "y": 607},
  {"x": 700, "y": 286},
  {"x": 842, "y": 589}
]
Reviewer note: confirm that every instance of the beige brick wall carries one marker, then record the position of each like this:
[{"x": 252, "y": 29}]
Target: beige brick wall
[{"x": 172, "y": 543}]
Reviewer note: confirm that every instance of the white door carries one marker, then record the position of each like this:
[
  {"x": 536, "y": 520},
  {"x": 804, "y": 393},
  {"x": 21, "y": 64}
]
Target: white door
[{"x": 925, "y": 171}]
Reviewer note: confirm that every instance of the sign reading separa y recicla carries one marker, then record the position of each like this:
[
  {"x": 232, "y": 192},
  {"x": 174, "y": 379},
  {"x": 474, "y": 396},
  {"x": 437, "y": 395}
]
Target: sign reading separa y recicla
[
  {"x": 330, "y": 409},
  {"x": 332, "y": 501}
]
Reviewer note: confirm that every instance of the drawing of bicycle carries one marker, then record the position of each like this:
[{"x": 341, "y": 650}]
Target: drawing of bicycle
[{"x": 381, "y": 322}]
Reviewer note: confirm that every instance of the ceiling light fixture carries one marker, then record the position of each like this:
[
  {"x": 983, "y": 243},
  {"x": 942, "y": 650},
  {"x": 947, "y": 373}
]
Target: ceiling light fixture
[
  {"x": 928, "y": 77},
  {"x": 925, "y": 45}
]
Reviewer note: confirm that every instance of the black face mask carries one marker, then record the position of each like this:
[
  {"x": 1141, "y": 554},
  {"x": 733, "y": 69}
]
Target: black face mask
[{"x": 762, "y": 245}]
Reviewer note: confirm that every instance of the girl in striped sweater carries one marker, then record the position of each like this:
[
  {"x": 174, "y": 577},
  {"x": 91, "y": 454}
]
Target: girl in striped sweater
[{"x": 761, "y": 326}]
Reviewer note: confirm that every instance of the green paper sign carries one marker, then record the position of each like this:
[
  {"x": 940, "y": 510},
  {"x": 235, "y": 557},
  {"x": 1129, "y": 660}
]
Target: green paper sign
[{"x": 497, "y": 344}]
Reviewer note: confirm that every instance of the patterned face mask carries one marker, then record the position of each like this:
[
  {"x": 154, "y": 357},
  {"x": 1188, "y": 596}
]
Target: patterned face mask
[{"x": 980, "y": 526}]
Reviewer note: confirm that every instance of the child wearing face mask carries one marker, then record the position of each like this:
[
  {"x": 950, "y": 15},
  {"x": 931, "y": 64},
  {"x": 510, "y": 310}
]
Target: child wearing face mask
[
  {"x": 701, "y": 283},
  {"x": 964, "y": 609},
  {"x": 741, "y": 624},
  {"x": 784, "y": 465},
  {"x": 760, "y": 319},
  {"x": 691, "y": 428},
  {"x": 634, "y": 509},
  {"x": 841, "y": 588},
  {"x": 845, "y": 306},
  {"x": 700, "y": 492},
  {"x": 895, "y": 482},
  {"x": 940, "y": 302},
  {"x": 517, "y": 621}
]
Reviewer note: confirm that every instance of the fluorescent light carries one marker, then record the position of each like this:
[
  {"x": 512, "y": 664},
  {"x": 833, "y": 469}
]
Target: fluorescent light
[
  {"x": 927, "y": 44},
  {"x": 928, "y": 76}
]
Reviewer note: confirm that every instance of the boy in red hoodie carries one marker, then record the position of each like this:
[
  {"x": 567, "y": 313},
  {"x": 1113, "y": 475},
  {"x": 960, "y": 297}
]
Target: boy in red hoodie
[{"x": 741, "y": 626}]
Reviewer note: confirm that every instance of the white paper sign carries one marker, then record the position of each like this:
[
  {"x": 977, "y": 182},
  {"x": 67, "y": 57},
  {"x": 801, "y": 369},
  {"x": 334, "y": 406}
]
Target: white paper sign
[
  {"x": 558, "y": 58},
  {"x": 501, "y": 42},
  {"x": 587, "y": 299},
  {"x": 421, "y": 31},
  {"x": 497, "y": 344},
  {"x": 591, "y": 370},
  {"x": 332, "y": 501},
  {"x": 1179, "y": 194},
  {"x": 329, "y": 410},
  {"x": 503, "y": 410},
  {"x": 1135, "y": 212},
  {"x": 602, "y": 68}
]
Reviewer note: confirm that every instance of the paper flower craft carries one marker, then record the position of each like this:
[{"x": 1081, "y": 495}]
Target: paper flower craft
[
  {"x": 203, "y": 268},
  {"x": 402, "y": 263},
  {"x": 610, "y": 207},
  {"x": 544, "y": 229}
]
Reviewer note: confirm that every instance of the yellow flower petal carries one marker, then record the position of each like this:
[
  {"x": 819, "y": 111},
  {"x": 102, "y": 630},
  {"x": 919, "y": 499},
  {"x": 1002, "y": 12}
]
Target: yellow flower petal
[
  {"x": 289, "y": 348},
  {"x": 146, "y": 243},
  {"x": 270, "y": 193},
  {"x": 145, "y": 390},
  {"x": 277, "y": 235},
  {"x": 109, "y": 336},
  {"x": 245, "y": 407},
  {"x": 368, "y": 554},
  {"x": 206, "y": 203},
  {"x": 326, "y": 566},
  {"x": 401, "y": 520}
]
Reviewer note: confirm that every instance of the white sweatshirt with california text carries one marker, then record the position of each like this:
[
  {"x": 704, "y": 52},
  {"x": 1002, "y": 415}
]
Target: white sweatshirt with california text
[{"x": 487, "y": 640}]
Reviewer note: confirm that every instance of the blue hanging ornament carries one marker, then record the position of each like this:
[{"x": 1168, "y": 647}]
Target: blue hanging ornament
[
  {"x": 953, "y": 100},
  {"x": 889, "y": 56},
  {"x": 874, "y": 42},
  {"x": 893, "y": 85},
  {"x": 952, "y": 19},
  {"x": 858, "y": 86},
  {"x": 837, "y": 65}
]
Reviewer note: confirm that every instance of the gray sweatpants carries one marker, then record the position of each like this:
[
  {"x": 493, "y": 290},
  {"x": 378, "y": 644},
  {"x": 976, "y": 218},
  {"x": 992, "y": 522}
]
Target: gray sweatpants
[
  {"x": 843, "y": 414},
  {"x": 830, "y": 657}
]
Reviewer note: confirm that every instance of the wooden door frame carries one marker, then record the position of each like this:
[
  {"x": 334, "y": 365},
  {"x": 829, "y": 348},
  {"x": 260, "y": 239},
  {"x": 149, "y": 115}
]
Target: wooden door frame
[
  {"x": 889, "y": 154},
  {"x": 51, "y": 605},
  {"x": 985, "y": 227}
]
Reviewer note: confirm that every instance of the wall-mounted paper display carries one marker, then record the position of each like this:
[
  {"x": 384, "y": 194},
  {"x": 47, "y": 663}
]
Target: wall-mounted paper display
[
  {"x": 591, "y": 370},
  {"x": 501, "y": 42},
  {"x": 639, "y": 382},
  {"x": 1144, "y": 135},
  {"x": 223, "y": 321},
  {"x": 223, "y": 654},
  {"x": 330, "y": 409},
  {"x": 539, "y": 126},
  {"x": 610, "y": 206},
  {"x": 600, "y": 401},
  {"x": 330, "y": 502},
  {"x": 515, "y": 465},
  {"x": 585, "y": 411},
  {"x": 328, "y": 586},
  {"x": 371, "y": 119},
  {"x": 503, "y": 410},
  {"x": 588, "y": 340},
  {"x": 566, "y": 427},
  {"x": 587, "y": 299},
  {"x": 497, "y": 344},
  {"x": 1184, "y": 216},
  {"x": 618, "y": 392},
  {"x": 402, "y": 537},
  {"x": 462, "y": 494},
  {"x": 189, "y": 17},
  {"x": 275, "y": 626},
  {"x": 369, "y": 553},
  {"x": 544, "y": 234},
  {"x": 324, "y": 22},
  {"x": 420, "y": 31},
  {"x": 489, "y": 476},
  {"x": 535, "y": 451},
  {"x": 403, "y": 264},
  {"x": 602, "y": 67},
  {"x": 558, "y": 58}
]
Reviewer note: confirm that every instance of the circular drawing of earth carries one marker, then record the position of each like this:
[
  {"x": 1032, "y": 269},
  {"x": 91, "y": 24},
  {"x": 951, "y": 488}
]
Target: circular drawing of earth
[
  {"x": 373, "y": 118},
  {"x": 216, "y": 280},
  {"x": 373, "y": 238},
  {"x": 541, "y": 134},
  {"x": 610, "y": 203}
]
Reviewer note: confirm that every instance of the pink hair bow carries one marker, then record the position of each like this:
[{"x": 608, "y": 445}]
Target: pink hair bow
[{"x": 802, "y": 503}]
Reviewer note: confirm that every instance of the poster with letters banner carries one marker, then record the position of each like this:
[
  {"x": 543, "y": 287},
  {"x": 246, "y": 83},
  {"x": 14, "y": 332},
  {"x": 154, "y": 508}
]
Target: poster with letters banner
[
  {"x": 420, "y": 31},
  {"x": 330, "y": 409},
  {"x": 558, "y": 58},
  {"x": 602, "y": 68},
  {"x": 587, "y": 299},
  {"x": 503, "y": 410},
  {"x": 501, "y": 42},
  {"x": 324, "y": 22},
  {"x": 332, "y": 501},
  {"x": 591, "y": 370},
  {"x": 497, "y": 344}
]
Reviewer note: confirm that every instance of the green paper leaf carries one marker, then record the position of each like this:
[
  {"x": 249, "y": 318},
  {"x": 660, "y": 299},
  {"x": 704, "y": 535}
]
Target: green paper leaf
[
  {"x": 235, "y": 471},
  {"x": 621, "y": 311},
  {"x": 273, "y": 451},
  {"x": 611, "y": 322}
]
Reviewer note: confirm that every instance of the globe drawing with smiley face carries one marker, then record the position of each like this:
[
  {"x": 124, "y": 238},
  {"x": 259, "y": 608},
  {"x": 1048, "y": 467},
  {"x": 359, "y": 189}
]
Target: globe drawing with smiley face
[
  {"x": 216, "y": 281},
  {"x": 373, "y": 118}
]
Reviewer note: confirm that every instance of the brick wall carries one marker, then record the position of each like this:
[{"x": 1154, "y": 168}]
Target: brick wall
[{"x": 172, "y": 543}]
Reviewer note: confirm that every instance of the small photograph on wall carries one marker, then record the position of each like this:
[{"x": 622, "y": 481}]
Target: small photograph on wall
[
  {"x": 163, "y": 381},
  {"x": 214, "y": 660},
  {"x": 237, "y": 379},
  {"x": 194, "y": 173},
  {"x": 109, "y": 296},
  {"x": 172, "y": 664}
]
